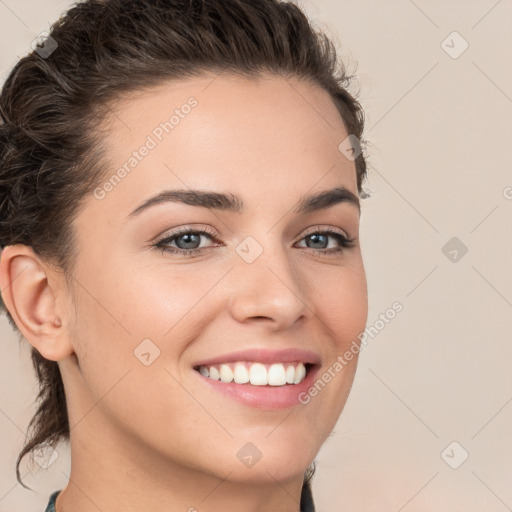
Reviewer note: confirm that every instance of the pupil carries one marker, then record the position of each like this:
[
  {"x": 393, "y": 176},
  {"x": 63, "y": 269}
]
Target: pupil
[
  {"x": 315, "y": 237},
  {"x": 190, "y": 239}
]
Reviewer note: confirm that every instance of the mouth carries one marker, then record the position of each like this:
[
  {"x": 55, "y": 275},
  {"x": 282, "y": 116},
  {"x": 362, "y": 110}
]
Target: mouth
[
  {"x": 261, "y": 379},
  {"x": 256, "y": 374}
]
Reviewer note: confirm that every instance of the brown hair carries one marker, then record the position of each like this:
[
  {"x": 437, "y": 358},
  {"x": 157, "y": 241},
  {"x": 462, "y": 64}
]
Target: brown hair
[{"x": 51, "y": 106}]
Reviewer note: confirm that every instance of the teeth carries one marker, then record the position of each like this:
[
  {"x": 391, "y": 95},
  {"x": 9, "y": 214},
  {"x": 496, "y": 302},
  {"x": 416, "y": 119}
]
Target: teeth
[
  {"x": 290, "y": 374},
  {"x": 257, "y": 374},
  {"x": 226, "y": 375},
  {"x": 241, "y": 374},
  {"x": 300, "y": 373},
  {"x": 276, "y": 375}
]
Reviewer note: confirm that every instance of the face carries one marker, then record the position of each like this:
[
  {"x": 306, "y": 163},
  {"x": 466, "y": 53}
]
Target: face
[{"x": 244, "y": 275}]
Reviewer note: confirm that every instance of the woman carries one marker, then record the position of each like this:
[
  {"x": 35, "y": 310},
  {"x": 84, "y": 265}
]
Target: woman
[{"x": 180, "y": 185}]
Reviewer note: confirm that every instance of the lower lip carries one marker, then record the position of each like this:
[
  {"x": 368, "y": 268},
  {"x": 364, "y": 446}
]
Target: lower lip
[{"x": 264, "y": 397}]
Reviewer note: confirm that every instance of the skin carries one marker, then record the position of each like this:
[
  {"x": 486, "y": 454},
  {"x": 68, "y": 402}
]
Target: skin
[{"x": 156, "y": 437}]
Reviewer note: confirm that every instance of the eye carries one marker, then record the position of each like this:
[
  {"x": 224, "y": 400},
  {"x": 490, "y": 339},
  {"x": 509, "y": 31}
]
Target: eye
[
  {"x": 188, "y": 241},
  {"x": 320, "y": 241}
]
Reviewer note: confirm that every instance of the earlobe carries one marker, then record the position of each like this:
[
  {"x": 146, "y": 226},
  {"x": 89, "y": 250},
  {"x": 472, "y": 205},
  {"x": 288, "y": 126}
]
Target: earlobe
[{"x": 29, "y": 291}]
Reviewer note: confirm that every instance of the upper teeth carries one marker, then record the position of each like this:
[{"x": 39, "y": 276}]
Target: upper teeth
[{"x": 257, "y": 374}]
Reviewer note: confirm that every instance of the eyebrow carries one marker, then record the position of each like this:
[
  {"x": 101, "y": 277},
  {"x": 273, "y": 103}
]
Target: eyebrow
[{"x": 233, "y": 203}]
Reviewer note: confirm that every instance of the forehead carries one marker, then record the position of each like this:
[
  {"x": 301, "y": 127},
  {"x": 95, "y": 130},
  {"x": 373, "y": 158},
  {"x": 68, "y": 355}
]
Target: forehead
[{"x": 218, "y": 131}]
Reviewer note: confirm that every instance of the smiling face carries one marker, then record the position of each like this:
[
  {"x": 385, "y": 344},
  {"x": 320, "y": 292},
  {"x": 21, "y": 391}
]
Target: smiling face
[{"x": 261, "y": 275}]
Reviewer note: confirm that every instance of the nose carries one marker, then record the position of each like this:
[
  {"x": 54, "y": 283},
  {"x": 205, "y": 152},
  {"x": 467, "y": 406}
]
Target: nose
[{"x": 268, "y": 289}]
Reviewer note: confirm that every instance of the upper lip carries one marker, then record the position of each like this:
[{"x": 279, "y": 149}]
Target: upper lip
[{"x": 264, "y": 356}]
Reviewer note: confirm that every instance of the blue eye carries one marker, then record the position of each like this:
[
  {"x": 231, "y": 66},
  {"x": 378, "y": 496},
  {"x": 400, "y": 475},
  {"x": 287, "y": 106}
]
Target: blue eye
[
  {"x": 322, "y": 237},
  {"x": 187, "y": 242}
]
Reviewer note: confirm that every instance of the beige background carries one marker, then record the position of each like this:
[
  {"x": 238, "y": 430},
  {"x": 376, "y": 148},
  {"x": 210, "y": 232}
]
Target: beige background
[{"x": 441, "y": 162}]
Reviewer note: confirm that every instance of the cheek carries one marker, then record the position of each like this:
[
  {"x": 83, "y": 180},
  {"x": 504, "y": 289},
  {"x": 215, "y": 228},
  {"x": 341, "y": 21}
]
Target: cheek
[
  {"x": 342, "y": 304},
  {"x": 127, "y": 368},
  {"x": 342, "y": 308},
  {"x": 152, "y": 302},
  {"x": 139, "y": 321}
]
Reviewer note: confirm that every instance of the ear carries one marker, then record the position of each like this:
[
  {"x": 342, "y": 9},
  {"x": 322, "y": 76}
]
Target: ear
[{"x": 35, "y": 296}]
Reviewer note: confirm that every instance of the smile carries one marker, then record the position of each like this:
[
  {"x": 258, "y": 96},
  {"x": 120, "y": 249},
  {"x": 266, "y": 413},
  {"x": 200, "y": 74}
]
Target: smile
[
  {"x": 256, "y": 374},
  {"x": 259, "y": 377}
]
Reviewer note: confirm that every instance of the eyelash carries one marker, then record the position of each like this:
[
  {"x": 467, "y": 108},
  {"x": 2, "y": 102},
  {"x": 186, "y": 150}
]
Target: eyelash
[{"x": 344, "y": 242}]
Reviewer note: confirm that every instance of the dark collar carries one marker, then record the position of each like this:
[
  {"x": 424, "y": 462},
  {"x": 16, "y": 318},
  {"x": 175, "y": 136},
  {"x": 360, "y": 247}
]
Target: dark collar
[{"x": 306, "y": 499}]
